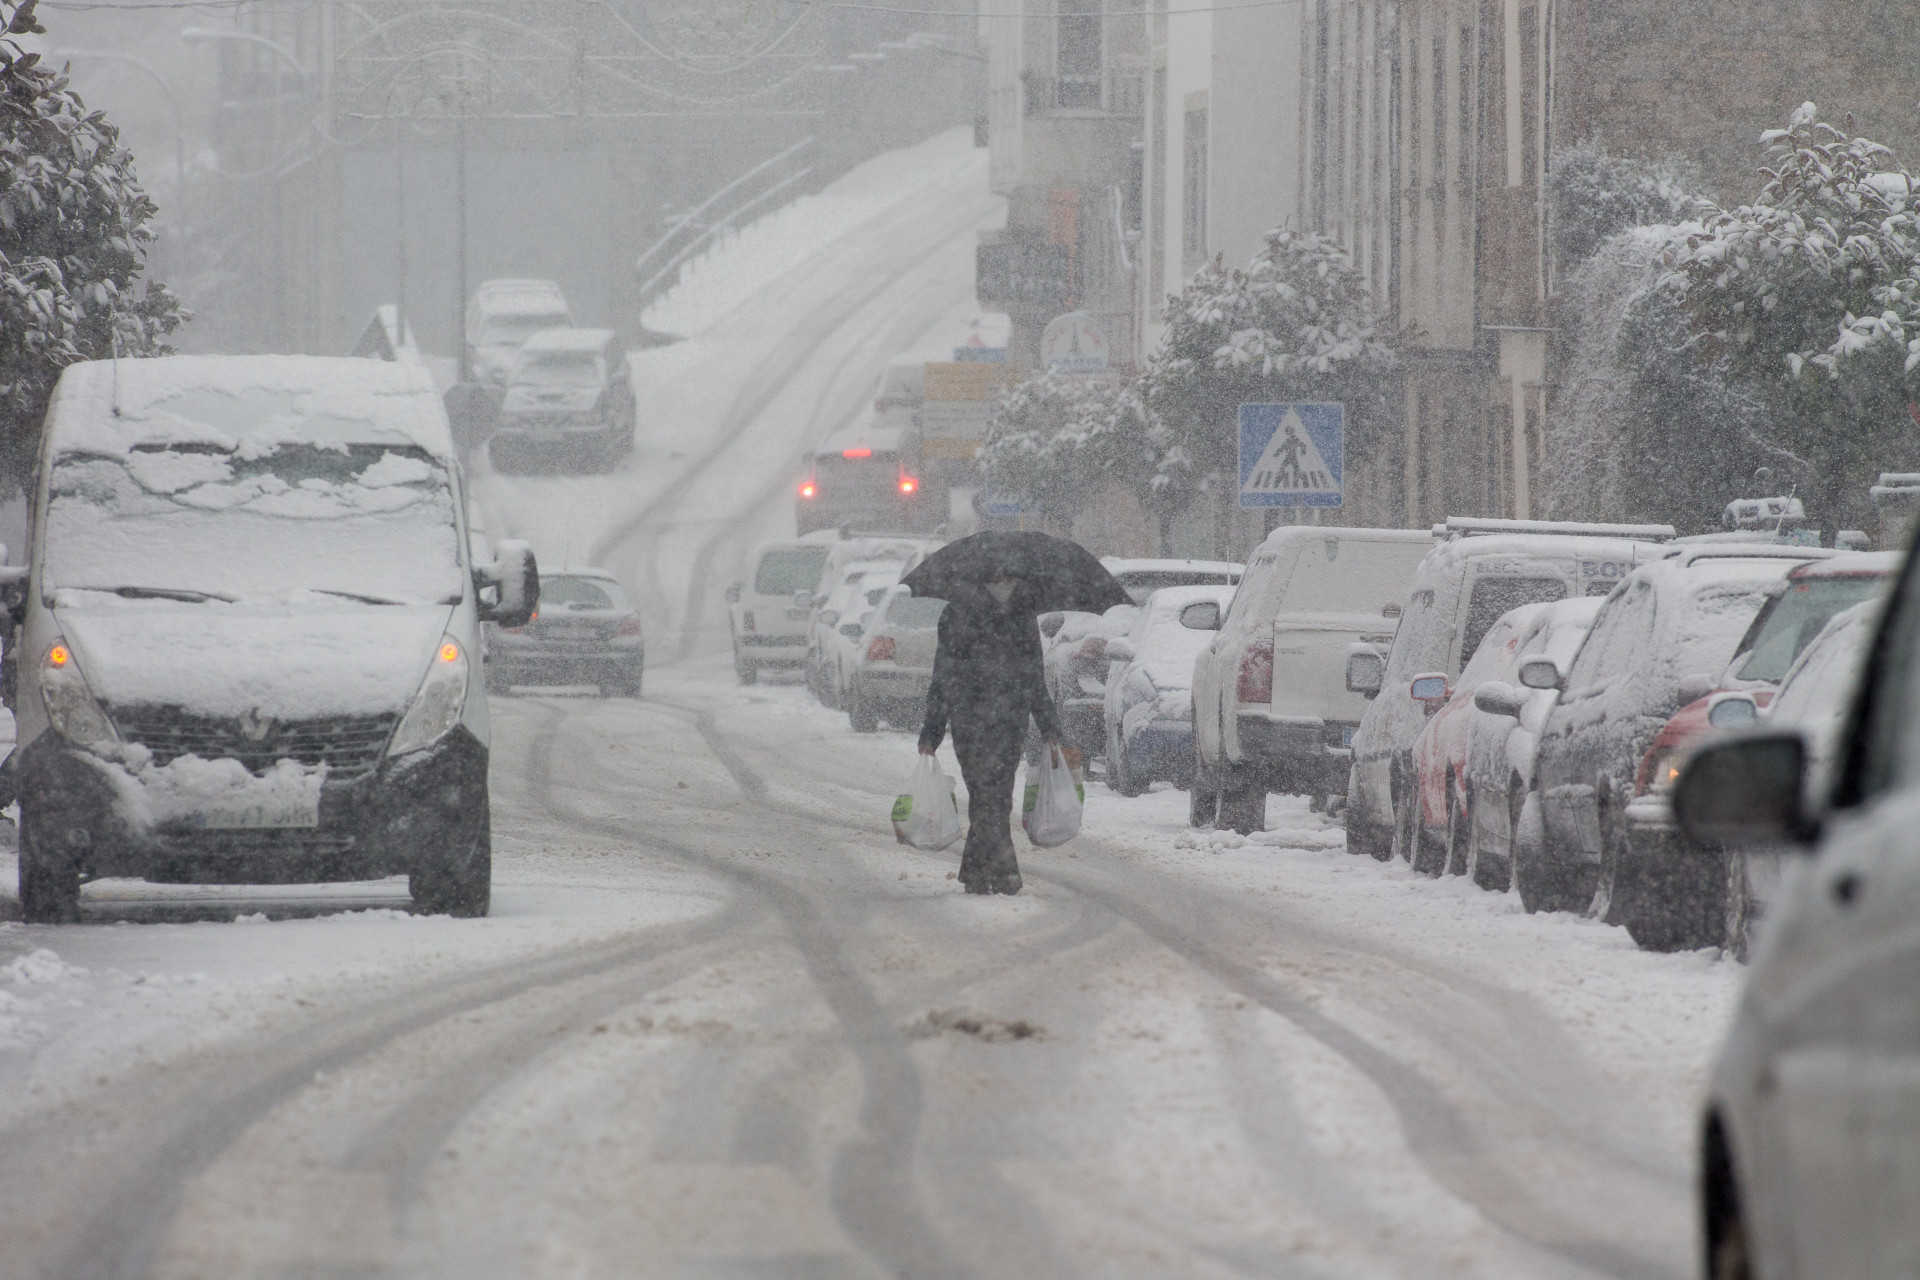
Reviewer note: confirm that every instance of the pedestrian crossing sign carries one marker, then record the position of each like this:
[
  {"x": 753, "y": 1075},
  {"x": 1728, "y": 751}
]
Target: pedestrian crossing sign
[{"x": 1291, "y": 455}]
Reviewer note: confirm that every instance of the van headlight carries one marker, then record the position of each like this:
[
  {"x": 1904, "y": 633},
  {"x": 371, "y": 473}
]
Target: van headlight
[
  {"x": 71, "y": 707},
  {"x": 437, "y": 707}
]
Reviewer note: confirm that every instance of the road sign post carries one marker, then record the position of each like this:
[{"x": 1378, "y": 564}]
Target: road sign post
[{"x": 1292, "y": 455}]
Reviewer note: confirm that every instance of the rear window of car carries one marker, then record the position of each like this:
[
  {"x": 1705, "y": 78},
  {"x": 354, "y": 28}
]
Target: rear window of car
[
  {"x": 782, "y": 573},
  {"x": 1494, "y": 597},
  {"x": 1351, "y": 575},
  {"x": 1142, "y": 583},
  {"x": 915, "y": 613},
  {"x": 581, "y": 593},
  {"x": 1789, "y": 622}
]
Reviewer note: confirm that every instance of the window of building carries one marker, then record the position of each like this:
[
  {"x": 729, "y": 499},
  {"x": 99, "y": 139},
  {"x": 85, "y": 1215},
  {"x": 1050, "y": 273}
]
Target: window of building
[
  {"x": 1078, "y": 56},
  {"x": 1194, "y": 238}
]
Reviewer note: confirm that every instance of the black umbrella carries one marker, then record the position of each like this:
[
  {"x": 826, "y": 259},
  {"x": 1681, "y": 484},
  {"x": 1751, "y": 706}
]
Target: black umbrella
[{"x": 1052, "y": 572}]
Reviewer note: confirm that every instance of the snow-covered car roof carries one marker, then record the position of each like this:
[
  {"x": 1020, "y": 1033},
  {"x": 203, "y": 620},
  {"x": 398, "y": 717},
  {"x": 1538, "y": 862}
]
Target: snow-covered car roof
[
  {"x": 1171, "y": 600},
  {"x": 1851, "y": 564},
  {"x": 1541, "y": 546},
  {"x": 112, "y": 408},
  {"x": 1116, "y": 566},
  {"x": 594, "y": 340}
]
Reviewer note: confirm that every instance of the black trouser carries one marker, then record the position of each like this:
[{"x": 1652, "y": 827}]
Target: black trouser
[{"x": 989, "y": 752}]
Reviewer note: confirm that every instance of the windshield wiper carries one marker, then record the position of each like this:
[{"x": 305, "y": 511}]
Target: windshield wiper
[
  {"x": 160, "y": 593},
  {"x": 354, "y": 595}
]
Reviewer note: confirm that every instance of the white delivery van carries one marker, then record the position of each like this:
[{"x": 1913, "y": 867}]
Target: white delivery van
[
  {"x": 1271, "y": 708},
  {"x": 1477, "y": 571},
  {"x": 249, "y": 633},
  {"x": 770, "y": 611}
]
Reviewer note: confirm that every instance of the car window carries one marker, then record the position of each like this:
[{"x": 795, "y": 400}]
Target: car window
[
  {"x": 1790, "y": 621},
  {"x": 1624, "y": 627},
  {"x": 781, "y": 573},
  {"x": 915, "y": 613},
  {"x": 1822, "y": 677},
  {"x": 1716, "y": 616},
  {"x": 1353, "y": 575},
  {"x": 1493, "y": 597},
  {"x": 1493, "y": 655},
  {"x": 1252, "y": 587},
  {"x": 578, "y": 593},
  {"x": 1410, "y": 641}
]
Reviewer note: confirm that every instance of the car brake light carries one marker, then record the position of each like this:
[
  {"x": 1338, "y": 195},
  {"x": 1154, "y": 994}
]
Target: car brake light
[
  {"x": 908, "y": 484},
  {"x": 746, "y": 620},
  {"x": 881, "y": 650},
  {"x": 631, "y": 627},
  {"x": 856, "y": 453},
  {"x": 1256, "y": 673},
  {"x": 807, "y": 490}
]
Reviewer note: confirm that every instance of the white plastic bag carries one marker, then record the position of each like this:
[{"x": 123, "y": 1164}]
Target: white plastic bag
[
  {"x": 927, "y": 816},
  {"x": 1051, "y": 814}
]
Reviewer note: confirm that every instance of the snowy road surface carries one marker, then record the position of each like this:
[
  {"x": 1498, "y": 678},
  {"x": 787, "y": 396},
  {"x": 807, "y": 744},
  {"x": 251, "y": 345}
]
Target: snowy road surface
[{"x": 720, "y": 1025}]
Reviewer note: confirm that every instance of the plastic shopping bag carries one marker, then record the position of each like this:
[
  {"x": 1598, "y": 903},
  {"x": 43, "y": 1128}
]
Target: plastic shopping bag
[
  {"x": 927, "y": 816},
  {"x": 1051, "y": 814}
]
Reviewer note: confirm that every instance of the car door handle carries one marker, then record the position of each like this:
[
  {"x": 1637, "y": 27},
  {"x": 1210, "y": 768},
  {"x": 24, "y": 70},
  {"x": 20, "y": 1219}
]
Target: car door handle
[{"x": 1845, "y": 888}]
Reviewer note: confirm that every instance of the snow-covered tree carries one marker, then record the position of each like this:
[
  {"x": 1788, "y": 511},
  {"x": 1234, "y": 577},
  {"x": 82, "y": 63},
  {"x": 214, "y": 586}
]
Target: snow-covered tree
[
  {"x": 1298, "y": 323},
  {"x": 1059, "y": 440},
  {"x": 1597, "y": 194},
  {"x": 1811, "y": 295},
  {"x": 74, "y": 231}
]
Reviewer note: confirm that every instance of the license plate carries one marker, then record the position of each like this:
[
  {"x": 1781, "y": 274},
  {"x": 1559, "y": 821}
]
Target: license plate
[
  {"x": 1346, "y": 735},
  {"x": 293, "y": 813}
]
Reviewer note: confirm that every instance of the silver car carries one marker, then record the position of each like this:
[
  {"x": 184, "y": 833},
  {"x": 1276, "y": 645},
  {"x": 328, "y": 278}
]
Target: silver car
[
  {"x": 1811, "y": 1135},
  {"x": 895, "y": 665},
  {"x": 584, "y": 632}
]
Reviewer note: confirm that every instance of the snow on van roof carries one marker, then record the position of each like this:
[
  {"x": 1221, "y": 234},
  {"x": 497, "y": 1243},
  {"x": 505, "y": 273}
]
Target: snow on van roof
[
  {"x": 1309, "y": 532},
  {"x": 1475, "y": 526},
  {"x": 562, "y": 339},
  {"x": 112, "y": 407}
]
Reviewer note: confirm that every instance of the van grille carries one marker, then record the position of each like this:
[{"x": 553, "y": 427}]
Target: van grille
[{"x": 350, "y": 746}]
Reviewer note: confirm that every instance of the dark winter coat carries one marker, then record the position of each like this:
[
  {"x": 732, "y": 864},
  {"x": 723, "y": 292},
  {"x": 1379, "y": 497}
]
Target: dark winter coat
[{"x": 987, "y": 671}]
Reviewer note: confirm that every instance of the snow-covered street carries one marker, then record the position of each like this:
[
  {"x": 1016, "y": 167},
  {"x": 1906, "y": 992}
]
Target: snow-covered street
[{"x": 720, "y": 1024}]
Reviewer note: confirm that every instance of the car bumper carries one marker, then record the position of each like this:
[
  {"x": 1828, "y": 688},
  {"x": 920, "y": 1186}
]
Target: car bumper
[
  {"x": 1293, "y": 753},
  {"x": 762, "y": 650},
  {"x": 892, "y": 685},
  {"x": 560, "y": 663},
  {"x": 1161, "y": 749},
  {"x": 1651, "y": 815},
  {"x": 369, "y": 827}
]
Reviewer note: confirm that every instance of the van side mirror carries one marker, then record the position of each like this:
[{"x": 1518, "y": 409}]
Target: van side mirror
[
  {"x": 1366, "y": 670},
  {"x": 1542, "y": 672},
  {"x": 1747, "y": 792},
  {"x": 1202, "y": 615},
  {"x": 733, "y": 594},
  {"x": 516, "y": 578}
]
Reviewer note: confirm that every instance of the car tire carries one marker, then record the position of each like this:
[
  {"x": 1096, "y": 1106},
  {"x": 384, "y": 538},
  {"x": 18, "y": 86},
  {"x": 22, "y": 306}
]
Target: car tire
[
  {"x": 1737, "y": 929},
  {"x": 1405, "y": 823},
  {"x": 746, "y": 672},
  {"x": 1541, "y": 881},
  {"x": 49, "y": 874},
  {"x": 1243, "y": 803},
  {"x": 860, "y": 714},
  {"x": 1459, "y": 860},
  {"x": 1486, "y": 871},
  {"x": 628, "y": 683},
  {"x": 456, "y": 877},
  {"x": 1203, "y": 799},
  {"x": 1723, "y": 1217},
  {"x": 1669, "y": 896},
  {"x": 1119, "y": 777}
]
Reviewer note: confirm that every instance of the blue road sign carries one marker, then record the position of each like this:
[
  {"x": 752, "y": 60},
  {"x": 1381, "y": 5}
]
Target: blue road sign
[{"x": 1292, "y": 455}]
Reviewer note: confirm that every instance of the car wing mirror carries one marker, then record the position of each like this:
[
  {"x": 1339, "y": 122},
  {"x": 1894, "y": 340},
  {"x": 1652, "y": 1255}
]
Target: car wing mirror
[
  {"x": 733, "y": 594},
  {"x": 803, "y": 599},
  {"x": 1733, "y": 711},
  {"x": 1430, "y": 689},
  {"x": 1498, "y": 698},
  {"x": 1542, "y": 672},
  {"x": 13, "y": 586},
  {"x": 1366, "y": 670},
  {"x": 1120, "y": 649},
  {"x": 515, "y": 578},
  {"x": 1747, "y": 792},
  {"x": 1202, "y": 615}
]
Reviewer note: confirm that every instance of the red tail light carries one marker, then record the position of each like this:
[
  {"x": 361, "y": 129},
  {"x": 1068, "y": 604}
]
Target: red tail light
[
  {"x": 807, "y": 489},
  {"x": 908, "y": 484},
  {"x": 856, "y": 453},
  {"x": 746, "y": 620},
  {"x": 881, "y": 650},
  {"x": 1256, "y": 673},
  {"x": 631, "y": 627}
]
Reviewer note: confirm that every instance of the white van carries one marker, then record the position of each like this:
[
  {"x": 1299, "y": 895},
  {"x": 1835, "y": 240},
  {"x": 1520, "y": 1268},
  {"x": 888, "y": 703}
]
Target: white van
[
  {"x": 1479, "y": 570},
  {"x": 766, "y": 613},
  {"x": 249, "y": 633},
  {"x": 1271, "y": 708}
]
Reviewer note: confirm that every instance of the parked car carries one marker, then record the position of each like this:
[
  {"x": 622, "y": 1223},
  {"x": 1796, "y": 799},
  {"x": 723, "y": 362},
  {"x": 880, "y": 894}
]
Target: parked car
[
  {"x": 1810, "y": 1133},
  {"x": 1142, "y": 578},
  {"x": 501, "y": 317},
  {"x": 1662, "y": 640},
  {"x": 890, "y": 680},
  {"x": 584, "y": 632},
  {"x": 1478, "y": 571},
  {"x": 1801, "y": 604},
  {"x": 1271, "y": 708},
  {"x": 1076, "y": 662},
  {"x": 1474, "y": 760},
  {"x": 1149, "y": 713},
  {"x": 569, "y": 402},
  {"x": 1814, "y": 700},
  {"x": 765, "y": 614},
  {"x": 248, "y": 630},
  {"x": 839, "y": 627}
]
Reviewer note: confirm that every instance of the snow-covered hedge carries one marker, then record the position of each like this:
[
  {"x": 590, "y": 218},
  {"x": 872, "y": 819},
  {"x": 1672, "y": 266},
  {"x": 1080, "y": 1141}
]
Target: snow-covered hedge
[
  {"x": 1059, "y": 440},
  {"x": 1597, "y": 195},
  {"x": 74, "y": 231}
]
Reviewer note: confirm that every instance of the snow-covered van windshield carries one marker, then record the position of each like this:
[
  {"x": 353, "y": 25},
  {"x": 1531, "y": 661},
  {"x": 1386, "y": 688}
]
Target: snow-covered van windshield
[
  {"x": 560, "y": 369},
  {"x": 782, "y": 573},
  {"x": 296, "y": 523}
]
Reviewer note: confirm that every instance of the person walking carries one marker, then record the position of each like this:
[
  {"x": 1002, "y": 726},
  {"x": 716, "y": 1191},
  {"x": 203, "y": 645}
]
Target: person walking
[{"x": 988, "y": 681}]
